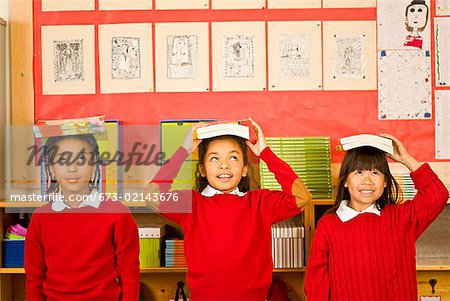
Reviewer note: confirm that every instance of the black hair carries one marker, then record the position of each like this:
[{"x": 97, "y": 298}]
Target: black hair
[
  {"x": 51, "y": 148},
  {"x": 367, "y": 158},
  {"x": 202, "y": 182}
]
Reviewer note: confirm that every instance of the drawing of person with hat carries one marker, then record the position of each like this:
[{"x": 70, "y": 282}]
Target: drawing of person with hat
[{"x": 416, "y": 19}]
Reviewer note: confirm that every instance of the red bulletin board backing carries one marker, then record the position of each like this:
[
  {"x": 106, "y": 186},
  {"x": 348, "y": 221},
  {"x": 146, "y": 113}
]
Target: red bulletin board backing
[{"x": 290, "y": 113}]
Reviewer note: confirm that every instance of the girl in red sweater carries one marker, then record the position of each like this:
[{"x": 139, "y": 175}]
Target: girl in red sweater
[
  {"x": 364, "y": 248},
  {"x": 79, "y": 247},
  {"x": 227, "y": 227}
]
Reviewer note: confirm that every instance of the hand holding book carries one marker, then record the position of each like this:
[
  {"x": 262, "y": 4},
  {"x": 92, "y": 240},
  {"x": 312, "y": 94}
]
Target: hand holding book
[
  {"x": 260, "y": 144},
  {"x": 401, "y": 154}
]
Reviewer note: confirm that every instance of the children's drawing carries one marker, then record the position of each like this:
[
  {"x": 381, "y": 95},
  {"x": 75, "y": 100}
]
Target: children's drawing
[
  {"x": 443, "y": 7},
  {"x": 442, "y": 124},
  {"x": 68, "y": 60},
  {"x": 404, "y": 84},
  {"x": 416, "y": 19},
  {"x": 442, "y": 49},
  {"x": 294, "y": 56},
  {"x": 238, "y": 54},
  {"x": 181, "y": 56},
  {"x": 349, "y": 59},
  {"x": 125, "y": 56}
]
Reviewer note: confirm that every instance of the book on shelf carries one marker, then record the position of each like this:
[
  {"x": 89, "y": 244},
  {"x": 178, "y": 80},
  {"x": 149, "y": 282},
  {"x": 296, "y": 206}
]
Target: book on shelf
[
  {"x": 242, "y": 128},
  {"x": 150, "y": 245},
  {"x": 381, "y": 143},
  {"x": 288, "y": 245}
]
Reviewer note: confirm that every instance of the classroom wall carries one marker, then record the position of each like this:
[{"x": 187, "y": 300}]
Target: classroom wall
[{"x": 285, "y": 113}]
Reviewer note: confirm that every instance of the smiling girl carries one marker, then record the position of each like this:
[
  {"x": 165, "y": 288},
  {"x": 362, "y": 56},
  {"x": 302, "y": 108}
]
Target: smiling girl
[
  {"x": 227, "y": 226},
  {"x": 364, "y": 248}
]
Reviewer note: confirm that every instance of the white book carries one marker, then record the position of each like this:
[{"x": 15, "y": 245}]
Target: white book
[
  {"x": 379, "y": 142},
  {"x": 221, "y": 129}
]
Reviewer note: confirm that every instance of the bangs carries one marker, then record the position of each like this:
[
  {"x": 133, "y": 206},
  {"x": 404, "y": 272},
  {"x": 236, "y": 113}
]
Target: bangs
[{"x": 366, "y": 158}]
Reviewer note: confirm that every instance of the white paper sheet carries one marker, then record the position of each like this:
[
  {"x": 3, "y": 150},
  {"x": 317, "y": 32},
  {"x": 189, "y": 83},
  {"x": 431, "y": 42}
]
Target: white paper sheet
[
  {"x": 294, "y": 4},
  {"x": 67, "y": 5},
  {"x": 349, "y": 59},
  {"x": 442, "y": 51},
  {"x": 124, "y": 4},
  {"x": 239, "y": 62},
  {"x": 125, "y": 58},
  {"x": 404, "y": 84},
  {"x": 238, "y": 4},
  {"x": 185, "y": 4},
  {"x": 348, "y": 3},
  {"x": 295, "y": 55},
  {"x": 443, "y": 7},
  {"x": 442, "y": 109},
  {"x": 68, "y": 59},
  {"x": 182, "y": 57},
  {"x": 402, "y": 25}
]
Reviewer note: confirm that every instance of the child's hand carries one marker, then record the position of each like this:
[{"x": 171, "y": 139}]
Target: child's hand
[
  {"x": 258, "y": 147},
  {"x": 189, "y": 143},
  {"x": 401, "y": 154}
]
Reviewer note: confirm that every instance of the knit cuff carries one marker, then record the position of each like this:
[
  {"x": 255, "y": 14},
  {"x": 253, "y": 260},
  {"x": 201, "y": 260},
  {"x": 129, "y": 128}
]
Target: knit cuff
[
  {"x": 266, "y": 154},
  {"x": 423, "y": 176}
]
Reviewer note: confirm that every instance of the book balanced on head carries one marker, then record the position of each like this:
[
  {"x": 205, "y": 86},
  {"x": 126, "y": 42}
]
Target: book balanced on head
[
  {"x": 382, "y": 143},
  {"x": 242, "y": 128}
]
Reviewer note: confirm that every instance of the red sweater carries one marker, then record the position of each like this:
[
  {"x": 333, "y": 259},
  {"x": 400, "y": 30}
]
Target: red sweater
[
  {"x": 373, "y": 257},
  {"x": 228, "y": 238},
  {"x": 79, "y": 254}
]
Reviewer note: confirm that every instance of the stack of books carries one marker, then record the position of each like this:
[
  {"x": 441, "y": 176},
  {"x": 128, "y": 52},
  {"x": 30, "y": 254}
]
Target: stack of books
[
  {"x": 175, "y": 253},
  {"x": 379, "y": 142},
  {"x": 309, "y": 157},
  {"x": 406, "y": 185},
  {"x": 150, "y": 241},
  {"x": 288, "y": 245},
  {"x": 13, "y": 246}
]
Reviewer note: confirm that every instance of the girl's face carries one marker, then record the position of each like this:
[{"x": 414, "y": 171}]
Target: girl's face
[
  {"x": 223, "y": 165},
  {"x": 416, "y": 16},
  {"x": 71, "y": 166},
  {"x": 365, "y": 187}
]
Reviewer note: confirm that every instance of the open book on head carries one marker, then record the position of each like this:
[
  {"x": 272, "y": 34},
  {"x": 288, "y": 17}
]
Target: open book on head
[
  {"x": 241, "y": 128},
  {"x": 382, "y": 143}
]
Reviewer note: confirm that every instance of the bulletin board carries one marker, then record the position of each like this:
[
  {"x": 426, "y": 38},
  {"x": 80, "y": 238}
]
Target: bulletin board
[{"x": 316, "y": 110}]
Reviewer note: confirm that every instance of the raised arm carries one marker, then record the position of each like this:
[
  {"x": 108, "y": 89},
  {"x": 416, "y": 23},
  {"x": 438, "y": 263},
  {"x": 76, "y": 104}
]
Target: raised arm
[
  {"x": 432, "y": 195},
  {"x": 290, "y": 183}
]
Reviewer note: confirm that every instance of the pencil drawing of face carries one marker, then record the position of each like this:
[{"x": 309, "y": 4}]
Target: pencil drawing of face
[
  {"x": 181, "y": 56},
  {"x": 294, "y": 55},
  {"x": 238, "y": 54},
  {"x": 125, "y": 58},
  {"x": 68, "y": 60}
]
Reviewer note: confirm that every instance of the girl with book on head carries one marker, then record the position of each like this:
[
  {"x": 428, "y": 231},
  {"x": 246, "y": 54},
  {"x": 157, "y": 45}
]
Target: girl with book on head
[
  {"x": 78, "y": 246},
  {"x": 364, "y": 247},
  {"x": 227, "y": 227}
]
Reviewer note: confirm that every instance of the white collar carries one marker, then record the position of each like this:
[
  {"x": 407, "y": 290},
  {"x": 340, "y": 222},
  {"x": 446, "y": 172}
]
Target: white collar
[
  {"x": 210, "y": 191},
  {"x": 345, "y": 213},
  {"x": 92, "y": 200}
]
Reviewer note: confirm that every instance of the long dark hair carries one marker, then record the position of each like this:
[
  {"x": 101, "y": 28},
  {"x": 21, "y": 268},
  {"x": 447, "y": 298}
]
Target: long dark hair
[
  {"x": 367, "y": 158},
  {"x": 202, "y": 182},
  {"x": 49, "y": 151}
]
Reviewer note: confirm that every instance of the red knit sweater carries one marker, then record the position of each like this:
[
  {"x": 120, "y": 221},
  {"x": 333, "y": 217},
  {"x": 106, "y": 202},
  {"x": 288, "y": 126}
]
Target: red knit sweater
[
  {"x": 373, "y": 257},
  {"x": 79, "y": 254},
  {"x": 227, "y": 237}
]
